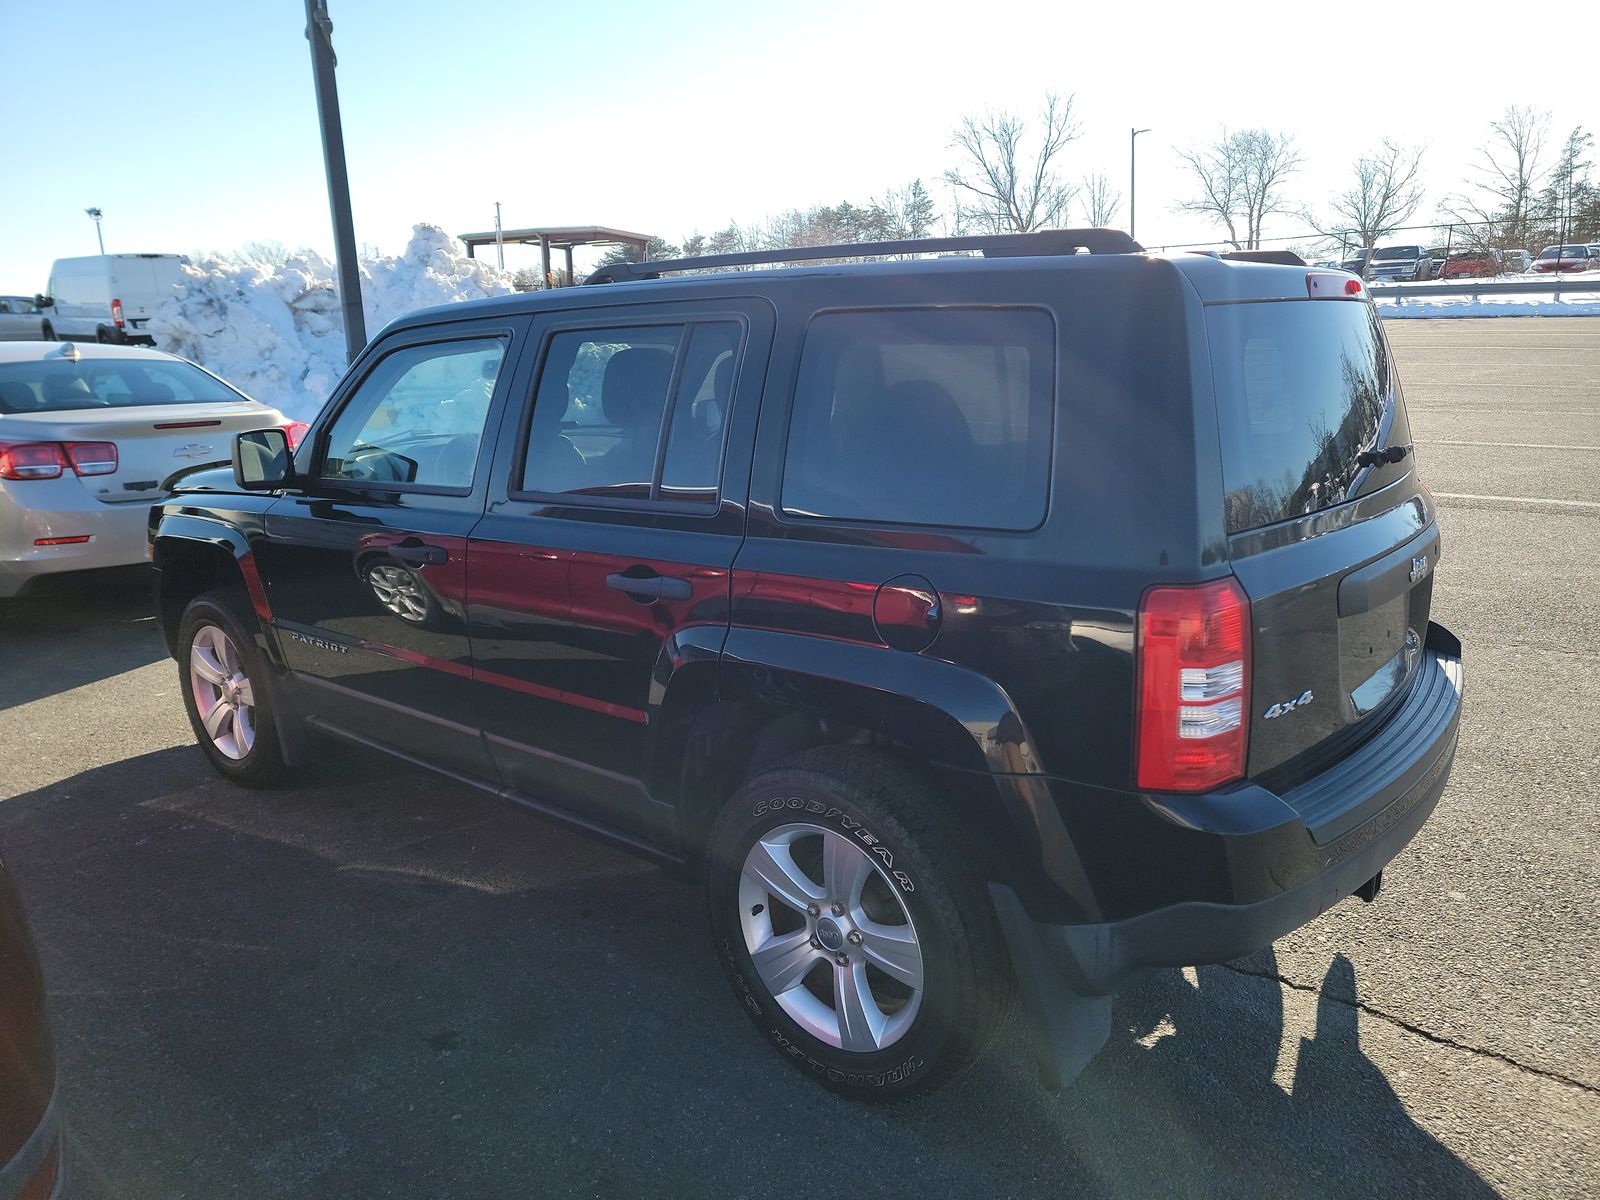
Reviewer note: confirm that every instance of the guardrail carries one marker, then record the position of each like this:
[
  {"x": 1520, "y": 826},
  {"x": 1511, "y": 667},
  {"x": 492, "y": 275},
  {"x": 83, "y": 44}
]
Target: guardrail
[{"x": 1586, "y": 282}]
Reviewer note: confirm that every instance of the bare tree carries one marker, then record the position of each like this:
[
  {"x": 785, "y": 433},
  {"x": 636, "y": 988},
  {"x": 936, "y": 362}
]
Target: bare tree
[
  {"x": 1009, "y": 182},
  {"x": 1241, "y": 179},
  {"x": 1506, "y": 177},
  {"x": 1101, "y": 202},
  {"x": 1384, "y": 195}
]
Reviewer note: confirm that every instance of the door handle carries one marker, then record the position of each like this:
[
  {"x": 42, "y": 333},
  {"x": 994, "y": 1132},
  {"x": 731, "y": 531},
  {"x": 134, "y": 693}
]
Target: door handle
[
  {"x": 653, "y": 587},
  {"x": 419, "y": 555}
]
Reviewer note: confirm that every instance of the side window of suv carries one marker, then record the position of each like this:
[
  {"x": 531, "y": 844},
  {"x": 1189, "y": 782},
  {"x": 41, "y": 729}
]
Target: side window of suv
[
  {"x": 924, "y": 417},
  {"x": 633, "y": 413},
  {"x": 417, "y": 419}
]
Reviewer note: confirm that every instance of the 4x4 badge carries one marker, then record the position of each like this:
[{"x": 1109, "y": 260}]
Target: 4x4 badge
[{"x": 1288, "y": 706}]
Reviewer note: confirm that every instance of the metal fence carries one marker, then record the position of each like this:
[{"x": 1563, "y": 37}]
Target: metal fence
[{"x": 1448, "y": 237}]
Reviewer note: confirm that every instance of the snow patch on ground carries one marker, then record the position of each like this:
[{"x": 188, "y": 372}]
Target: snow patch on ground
[
  {"x": 275, "y": 332},
  {"x": 1570, "y": 304}
]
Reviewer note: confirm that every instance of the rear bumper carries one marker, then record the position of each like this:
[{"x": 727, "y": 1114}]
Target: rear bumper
[
  {"x": 1278, "y": 861},
  {"x": 57, "y": 508}
]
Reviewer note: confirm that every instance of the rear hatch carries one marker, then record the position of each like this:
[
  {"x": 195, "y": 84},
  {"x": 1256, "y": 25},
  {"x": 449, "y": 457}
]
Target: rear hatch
[
  {"x": 1334, "y": 544},
  {"x": 153, "y": 443}
]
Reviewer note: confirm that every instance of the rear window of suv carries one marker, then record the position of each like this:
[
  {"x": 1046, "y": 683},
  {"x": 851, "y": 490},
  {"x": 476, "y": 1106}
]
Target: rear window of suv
[
  {"x": 924, "y": 417},
  {"x": 1303, "y": 387}
]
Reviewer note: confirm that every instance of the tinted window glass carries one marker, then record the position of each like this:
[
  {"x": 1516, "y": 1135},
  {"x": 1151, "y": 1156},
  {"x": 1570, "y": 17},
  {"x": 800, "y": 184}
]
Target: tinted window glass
[
  {"x": 1303, "y": 387},
  {"x": 58, "y": 384},
  {"x": 604, "y": 397},
  {"x": 924, "y": 417},
  {"x": 418, "y": 417}
]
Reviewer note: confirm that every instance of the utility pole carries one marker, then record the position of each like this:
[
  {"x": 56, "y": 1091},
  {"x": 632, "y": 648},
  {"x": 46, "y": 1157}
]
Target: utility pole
[
  {"x": 96, "y": 214},
  {"x": 499, "y": 242},
  {"x": 1133, "y": 175},
  {"x": 319, "y": 32}
]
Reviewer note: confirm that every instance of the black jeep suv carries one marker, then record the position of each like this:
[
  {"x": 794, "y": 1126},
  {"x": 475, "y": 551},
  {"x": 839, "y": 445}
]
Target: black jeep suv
[{"x": 1017, "y": 621}]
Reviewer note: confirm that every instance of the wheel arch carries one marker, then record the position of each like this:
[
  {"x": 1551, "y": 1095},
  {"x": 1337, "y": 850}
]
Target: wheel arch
[
  {"x": 773, "y": 695},
  {"x": 193, "y": 555}
]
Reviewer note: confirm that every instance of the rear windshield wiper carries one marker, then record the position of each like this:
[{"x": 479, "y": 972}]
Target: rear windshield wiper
[{"x": 1377, "y": 458}]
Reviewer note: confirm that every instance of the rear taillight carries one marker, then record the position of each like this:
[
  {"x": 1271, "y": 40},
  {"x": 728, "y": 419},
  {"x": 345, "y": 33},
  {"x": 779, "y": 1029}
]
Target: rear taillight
[
  {"x": 1191, "y": 725},
  {"x": 31, "y": 460},
  {"x": 116, "y": 313},
  {"x": 92, "y": 458},
  {"x": 47, "y": 460},
  {"x": 294, "y": 431}
]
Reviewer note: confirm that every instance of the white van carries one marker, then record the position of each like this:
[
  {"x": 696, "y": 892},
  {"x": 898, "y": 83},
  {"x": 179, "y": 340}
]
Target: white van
[{"x": 110, "y": 297}]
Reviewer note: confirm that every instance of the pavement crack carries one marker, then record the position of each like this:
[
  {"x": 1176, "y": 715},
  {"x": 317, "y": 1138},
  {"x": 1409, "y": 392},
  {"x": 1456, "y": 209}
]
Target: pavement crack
[{"x": 1428, "y": 1035}]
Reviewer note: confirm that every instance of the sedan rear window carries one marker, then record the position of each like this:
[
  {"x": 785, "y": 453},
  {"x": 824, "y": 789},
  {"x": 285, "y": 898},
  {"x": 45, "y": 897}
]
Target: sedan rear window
[
  {"x": 924, "y": 417},
  {"x": 60, "y": 384},
  {"x": 1303, "y": 387}
]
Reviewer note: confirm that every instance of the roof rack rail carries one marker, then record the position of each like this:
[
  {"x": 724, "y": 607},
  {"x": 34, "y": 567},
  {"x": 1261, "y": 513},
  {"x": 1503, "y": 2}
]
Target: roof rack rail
[{"x": 999, "y": 245}]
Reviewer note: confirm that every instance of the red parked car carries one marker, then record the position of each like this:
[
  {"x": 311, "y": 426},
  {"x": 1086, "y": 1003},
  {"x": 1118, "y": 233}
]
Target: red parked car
[
  {"x": 30, "y": 1126},
  {"x": 1467, "y": 264},
  {"x": 1564, "y": 259}
]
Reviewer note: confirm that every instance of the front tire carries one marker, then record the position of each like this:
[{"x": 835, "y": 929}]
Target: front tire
[
  {"x": 226, "y": 692},
  {"x": 46, "y": 333},
  {"x": 855, "y": 930}
]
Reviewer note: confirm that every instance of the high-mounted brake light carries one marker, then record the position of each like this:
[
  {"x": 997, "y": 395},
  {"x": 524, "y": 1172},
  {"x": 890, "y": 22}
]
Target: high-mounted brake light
[
  {"x": 294, "y": 431},
  {"x": 116, "y": 313},
  {"x": 1330, "y": 285},
  {"x": 1193, "y": 692}
]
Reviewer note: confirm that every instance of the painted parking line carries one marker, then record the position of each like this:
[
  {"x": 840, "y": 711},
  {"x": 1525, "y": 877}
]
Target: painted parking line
[{"x": 1517, "y": 500}]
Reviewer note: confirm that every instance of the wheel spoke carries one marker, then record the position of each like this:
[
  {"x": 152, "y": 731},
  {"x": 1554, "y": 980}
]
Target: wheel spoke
[
  {"x": 893, "y": 950},
  {"x": 861, "y": 1021},
  {"x": 204, "y": 664},
  {"x": 215, "y": 719},
  {"x": 774, "y": 868},
  {"x": 244, "y": 730},
  {"x": 247, "y": 694},
  {"x": 783, "y": 960},
  {"x": 845, "y": 869}
]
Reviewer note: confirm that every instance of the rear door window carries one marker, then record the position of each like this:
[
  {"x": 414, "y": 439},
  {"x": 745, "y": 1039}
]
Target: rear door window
[
  {"x": 633, "y": 413},
  {"x": 924, "y": 417},
  {"x": 1303, "y": 388}
]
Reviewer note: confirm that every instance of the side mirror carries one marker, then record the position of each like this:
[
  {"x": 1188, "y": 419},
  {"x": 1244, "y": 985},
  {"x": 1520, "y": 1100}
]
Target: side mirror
[
  {"x": 40, "y": 300},
  {"x": 262, "y": 460}
]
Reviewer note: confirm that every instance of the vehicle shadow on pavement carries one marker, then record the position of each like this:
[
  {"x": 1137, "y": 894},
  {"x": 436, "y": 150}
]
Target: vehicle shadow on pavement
[
  {"x": 378, "y": 983},
  {"x": 108, "y": 617}
]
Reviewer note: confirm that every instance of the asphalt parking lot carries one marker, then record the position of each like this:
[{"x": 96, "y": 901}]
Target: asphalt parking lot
[{"x": 380, "y": 984}]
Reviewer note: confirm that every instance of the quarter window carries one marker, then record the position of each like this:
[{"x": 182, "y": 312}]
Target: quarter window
[
  {"x": 924, "y": 417},
  {"x": 634, "y": 413},
  {"x": 418, "y": 418}
]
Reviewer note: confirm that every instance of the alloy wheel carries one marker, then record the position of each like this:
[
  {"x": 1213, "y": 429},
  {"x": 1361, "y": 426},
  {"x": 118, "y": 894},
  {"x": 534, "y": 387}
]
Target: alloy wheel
[
  {"x": 830, "y": 936},
  {"x": 223, "y": 695}
]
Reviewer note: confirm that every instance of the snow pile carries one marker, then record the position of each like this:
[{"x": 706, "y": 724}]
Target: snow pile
[{"x": 275, "y": 331}]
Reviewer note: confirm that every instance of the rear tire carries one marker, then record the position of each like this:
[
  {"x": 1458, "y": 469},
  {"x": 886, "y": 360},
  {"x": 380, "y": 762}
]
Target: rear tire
[
  {"x": 101, "y": 336},
  {"x": 881, "y": 967},
  {"x": 226, "y": 691}
]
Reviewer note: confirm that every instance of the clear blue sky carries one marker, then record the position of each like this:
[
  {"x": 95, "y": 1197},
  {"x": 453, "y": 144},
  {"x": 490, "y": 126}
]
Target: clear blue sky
[{"x": 193, "y": 124}]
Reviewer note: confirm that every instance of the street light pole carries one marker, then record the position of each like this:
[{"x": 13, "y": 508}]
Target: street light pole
[
  {"x": 1133, "y": 176},
  {"x": 319, "y": 32},
  {"x": 96, "y": 214},
  {"x": 499, "y": 241}
]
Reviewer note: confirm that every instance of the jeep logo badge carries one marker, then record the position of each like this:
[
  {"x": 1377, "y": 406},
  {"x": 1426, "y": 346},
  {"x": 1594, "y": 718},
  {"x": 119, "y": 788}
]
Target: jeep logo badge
[{"x": 1419, "y": 567}]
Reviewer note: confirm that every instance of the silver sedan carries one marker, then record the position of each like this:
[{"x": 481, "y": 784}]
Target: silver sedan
[{"x": 90, "y": 437}]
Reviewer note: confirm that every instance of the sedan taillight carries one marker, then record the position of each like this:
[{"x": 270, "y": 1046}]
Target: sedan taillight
[
  {"x": 92, "y": 458},
  {"x": 47, "y": 460}
]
